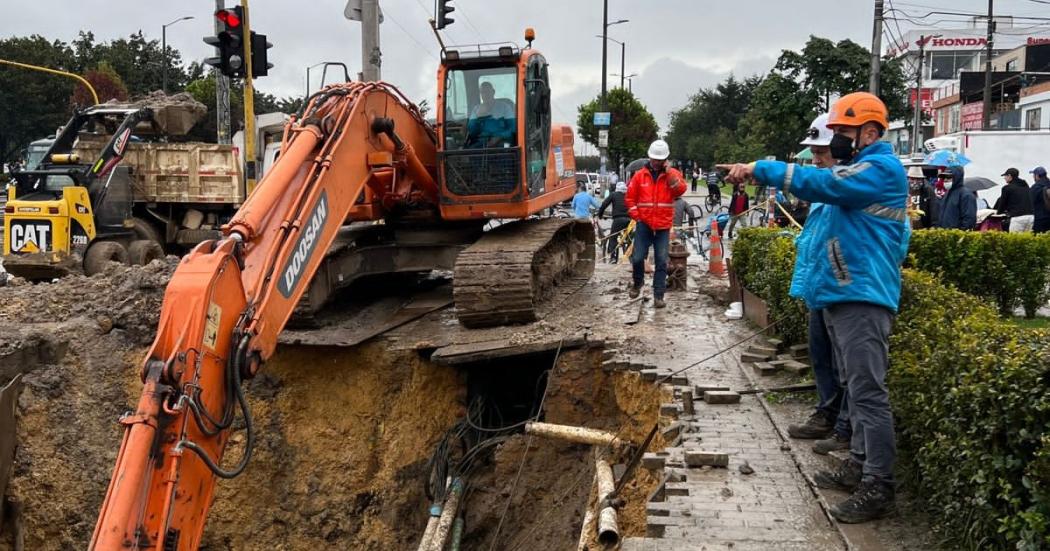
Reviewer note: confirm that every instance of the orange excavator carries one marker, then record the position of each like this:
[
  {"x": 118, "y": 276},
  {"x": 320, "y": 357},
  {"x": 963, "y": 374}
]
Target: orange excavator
[{"x": 359, "y": 152}]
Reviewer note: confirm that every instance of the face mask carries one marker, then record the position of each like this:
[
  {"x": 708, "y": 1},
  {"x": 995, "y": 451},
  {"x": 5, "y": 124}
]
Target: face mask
[
  {"x": 948, "y": 184},
  {"x": 842, "y": 148}
]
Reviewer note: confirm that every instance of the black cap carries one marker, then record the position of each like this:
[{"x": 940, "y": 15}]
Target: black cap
[{"x": 1012, "y": 172}]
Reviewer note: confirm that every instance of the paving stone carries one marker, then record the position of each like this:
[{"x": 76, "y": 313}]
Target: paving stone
[
  {"x": 721, "y": 397},
  {"x": 701, "y": 389},
  {"x": 653, "y": 462},
  {"x": 615, "y": 365},
  {"x": 767, "y": 351},
  {"x": 765, "y": 369},
  {"x": 799, "y": 350},
  {"x": 748, "y": 357},
  {"x": 669, "y": 410},
  {"x": 798, "y": 368},
  {"x": 785, "y": 356},
  {"x": 650, "y": 375},
  {"x": 706, "y": 459},
  {"x": 610, "y": 353},
  {"x": 775, "y": 343}
]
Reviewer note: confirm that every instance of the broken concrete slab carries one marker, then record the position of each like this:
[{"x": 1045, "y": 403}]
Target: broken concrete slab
[
  {"x": 748, "y": 357},
  {"x": 701, "y": 389},
  {"x": 653, "y": 461},
  {"x": 767, "y": 351},
  {"x": 799, "y": 350}
]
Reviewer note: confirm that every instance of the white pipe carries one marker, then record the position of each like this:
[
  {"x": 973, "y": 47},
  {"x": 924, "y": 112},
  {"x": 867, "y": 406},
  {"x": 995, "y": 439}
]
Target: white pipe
[
  {"x": 448, "y": 514},
  {"x": 432, "y": 522},
  {"x": 581, "y": 435},
  {"x": 608, "y": 531}
]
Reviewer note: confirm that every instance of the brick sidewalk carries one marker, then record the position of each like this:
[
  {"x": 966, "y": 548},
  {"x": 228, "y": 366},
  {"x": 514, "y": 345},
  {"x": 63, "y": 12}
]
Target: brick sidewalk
[{"x": 709, "y": 508}]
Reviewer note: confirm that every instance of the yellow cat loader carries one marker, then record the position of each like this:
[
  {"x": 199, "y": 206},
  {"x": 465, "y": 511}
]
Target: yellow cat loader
[{"x": 67, "y": 212}]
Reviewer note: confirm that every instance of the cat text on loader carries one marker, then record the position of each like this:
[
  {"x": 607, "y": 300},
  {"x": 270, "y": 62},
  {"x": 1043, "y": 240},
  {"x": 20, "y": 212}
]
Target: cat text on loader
[
  {"x": 66, "y": 208},
  {"x": 360, "y": 151}
]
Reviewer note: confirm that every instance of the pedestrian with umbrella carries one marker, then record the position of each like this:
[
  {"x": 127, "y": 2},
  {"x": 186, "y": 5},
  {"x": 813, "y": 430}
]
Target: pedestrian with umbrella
[
  {"x": 958, "y": 206},
  {"x": 1016, "y": 202}
]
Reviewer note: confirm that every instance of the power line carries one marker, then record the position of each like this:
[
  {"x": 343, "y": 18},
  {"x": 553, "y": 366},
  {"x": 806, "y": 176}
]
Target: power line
[
  {"x": 409, "y": 35},
  {"x": 470, "y": 23}
]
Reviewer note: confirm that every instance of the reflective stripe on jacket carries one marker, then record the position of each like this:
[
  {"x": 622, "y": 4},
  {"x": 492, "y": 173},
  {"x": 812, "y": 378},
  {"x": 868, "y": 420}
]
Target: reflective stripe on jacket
[
  {"x": 853, "y": 244},
  {"x": 653, "y": 202}
]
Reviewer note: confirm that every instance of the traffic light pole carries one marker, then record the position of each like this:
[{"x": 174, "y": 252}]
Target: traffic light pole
[
  {"x": 249, "y": 103},
  {"x": 222, "y": 91}
]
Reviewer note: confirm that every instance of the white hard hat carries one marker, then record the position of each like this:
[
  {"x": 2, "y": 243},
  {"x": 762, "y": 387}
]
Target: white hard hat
[
  {"x": 819, "y": 133},
  {"x": 659, "y": 150}
]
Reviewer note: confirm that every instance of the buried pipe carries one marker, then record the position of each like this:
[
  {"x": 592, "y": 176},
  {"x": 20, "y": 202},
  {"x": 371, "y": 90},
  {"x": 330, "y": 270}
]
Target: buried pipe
[
  {"x": 608, "y": 531},
  {"x": 432, "y": 522},
  {"x": 448, "y": 514},
  {"x": 581, "y": 435},
  {"x": 457, "y": 534}
]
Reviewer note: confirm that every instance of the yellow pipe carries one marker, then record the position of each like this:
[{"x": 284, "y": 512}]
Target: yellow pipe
[{"x": 56, "y": 72}]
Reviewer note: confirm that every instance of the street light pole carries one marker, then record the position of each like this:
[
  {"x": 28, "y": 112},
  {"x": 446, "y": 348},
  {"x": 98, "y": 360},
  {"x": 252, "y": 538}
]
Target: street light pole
[
  {"x": 164, "y": 51},
  {"x": 623, "y": 51},
  {"x": 605, "y": 46},
  {"x": 986, "y": 114},
  {"x": 916, "y": 143}
]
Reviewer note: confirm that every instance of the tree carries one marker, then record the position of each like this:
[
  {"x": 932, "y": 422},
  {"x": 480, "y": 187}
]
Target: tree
[
  {"x": 710, "y": 118},
  {"x": 781, "y": 111},
  {"x": 139, "y": 61},
  {"x": 32, "y": 104},
  {"x": 107, "y": 84},
  {"x": 829, "y": 70},
  {"x": 633, "y": 126}
]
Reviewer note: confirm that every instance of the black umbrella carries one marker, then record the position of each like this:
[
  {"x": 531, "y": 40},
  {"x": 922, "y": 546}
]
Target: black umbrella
[
  {"x": 635, "y": 166},
  {"x": 977, "y": 184}
]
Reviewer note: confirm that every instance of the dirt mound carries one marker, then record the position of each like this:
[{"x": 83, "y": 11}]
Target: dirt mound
[{"x": 175, "y": 114}]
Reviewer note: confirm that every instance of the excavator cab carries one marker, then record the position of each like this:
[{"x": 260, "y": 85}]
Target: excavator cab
[{"x": 499, "y": 156}]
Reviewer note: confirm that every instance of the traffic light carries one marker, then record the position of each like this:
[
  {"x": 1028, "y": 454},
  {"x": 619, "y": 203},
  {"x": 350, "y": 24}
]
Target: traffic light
[
  {"x": 260, "y": 67},
  {"x": 230, "y": 43},
  {"x": 444, "y": 8}
]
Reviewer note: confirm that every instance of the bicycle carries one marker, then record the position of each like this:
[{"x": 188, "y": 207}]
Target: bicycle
[{"x": 714, "y": 198}]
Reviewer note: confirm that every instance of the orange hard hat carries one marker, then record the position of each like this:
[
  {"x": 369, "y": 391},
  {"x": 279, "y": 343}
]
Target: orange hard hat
[{"x": 858, "y": 108}]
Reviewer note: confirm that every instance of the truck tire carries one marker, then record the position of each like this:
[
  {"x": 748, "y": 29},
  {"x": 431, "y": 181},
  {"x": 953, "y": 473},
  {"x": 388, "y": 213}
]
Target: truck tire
[
  {"x": 101, "y": 253},
  {"x": 144, "y": 251},
  {"x": 144, "y": 230}
]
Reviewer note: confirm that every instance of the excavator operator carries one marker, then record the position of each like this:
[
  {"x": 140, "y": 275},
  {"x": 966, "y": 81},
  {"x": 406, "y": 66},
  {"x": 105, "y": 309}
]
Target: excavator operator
[{"x": 491, "y": 121}]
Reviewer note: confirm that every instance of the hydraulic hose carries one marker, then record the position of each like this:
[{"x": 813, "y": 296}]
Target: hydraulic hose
[{"x": 245, "y": 412}]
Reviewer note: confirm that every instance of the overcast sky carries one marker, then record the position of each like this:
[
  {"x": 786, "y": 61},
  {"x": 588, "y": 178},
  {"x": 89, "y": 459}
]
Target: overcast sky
[{"x": 675, "y": 46}]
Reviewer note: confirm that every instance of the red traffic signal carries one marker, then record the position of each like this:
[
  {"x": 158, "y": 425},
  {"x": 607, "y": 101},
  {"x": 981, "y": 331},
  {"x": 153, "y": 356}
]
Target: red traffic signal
[{"x": 231, "y": 17}]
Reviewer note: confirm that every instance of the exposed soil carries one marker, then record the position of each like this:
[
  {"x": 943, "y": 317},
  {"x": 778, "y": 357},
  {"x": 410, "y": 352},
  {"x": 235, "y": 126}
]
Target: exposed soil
[{"x": 344, "y": 434}]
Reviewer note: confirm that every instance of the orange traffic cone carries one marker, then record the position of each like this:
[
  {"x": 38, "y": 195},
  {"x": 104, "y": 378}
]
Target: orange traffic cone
[{"x": 716, "y": 266}]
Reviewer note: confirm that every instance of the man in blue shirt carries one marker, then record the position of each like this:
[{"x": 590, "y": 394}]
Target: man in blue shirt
[
  {"x": 492, "y": 121},
  {"x": 853, "y": 257},
  {"x": 583, "y": 202}
]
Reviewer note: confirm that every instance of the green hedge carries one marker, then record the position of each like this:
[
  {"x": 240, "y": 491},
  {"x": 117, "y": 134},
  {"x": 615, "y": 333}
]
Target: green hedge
[
  {"x": 1007, "y": 269},
  {"x": 971, "y": 394}
]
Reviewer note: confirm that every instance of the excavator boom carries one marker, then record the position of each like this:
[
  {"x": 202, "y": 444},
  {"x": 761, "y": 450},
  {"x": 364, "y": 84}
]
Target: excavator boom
[{"x": 228, "y": 300}]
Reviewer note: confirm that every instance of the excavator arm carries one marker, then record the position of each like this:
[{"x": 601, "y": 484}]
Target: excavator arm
[{"x": 229, "y": 299}]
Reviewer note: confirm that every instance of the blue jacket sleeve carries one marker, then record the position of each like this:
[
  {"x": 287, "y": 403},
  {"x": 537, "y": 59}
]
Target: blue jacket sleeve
[{"x": 853, "y": 186}]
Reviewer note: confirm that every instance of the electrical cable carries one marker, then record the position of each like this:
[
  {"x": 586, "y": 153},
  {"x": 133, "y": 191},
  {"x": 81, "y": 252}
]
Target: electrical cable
[{"x": 724, "y": 350}]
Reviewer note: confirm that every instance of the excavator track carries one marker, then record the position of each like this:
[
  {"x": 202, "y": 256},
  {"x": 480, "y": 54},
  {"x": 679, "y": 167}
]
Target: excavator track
[{"x": 505, "y": 275}]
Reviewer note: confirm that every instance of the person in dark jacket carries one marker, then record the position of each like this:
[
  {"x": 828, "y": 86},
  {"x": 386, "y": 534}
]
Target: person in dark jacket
[
  {"x": 738, "y": 205},
  {"x": 1040, "y": 205},
  {"x": 959, "y": 205},
  {"x": 620, "y": 219},
  {"x": 1016, "y": 202}
]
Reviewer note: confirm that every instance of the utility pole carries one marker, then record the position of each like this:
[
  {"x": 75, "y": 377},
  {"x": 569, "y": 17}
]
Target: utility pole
[
  {"x": 876, "y": 48},
  {"x": 222, "y": 91},
  {"x": 916, "y": 128},
  {"x": 987, "y": 112},
  {"x": 371, "y": 55},
  {"x": 623, "y": 53},
  {"x": 605, "y": 48}
]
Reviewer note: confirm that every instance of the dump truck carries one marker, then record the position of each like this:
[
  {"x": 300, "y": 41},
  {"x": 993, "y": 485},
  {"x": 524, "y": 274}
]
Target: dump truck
[{"x": 99, "y": 193}]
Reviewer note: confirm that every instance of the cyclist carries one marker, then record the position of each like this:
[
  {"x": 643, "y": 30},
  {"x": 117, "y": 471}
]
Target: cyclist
[{"x": 714, "y": 193}]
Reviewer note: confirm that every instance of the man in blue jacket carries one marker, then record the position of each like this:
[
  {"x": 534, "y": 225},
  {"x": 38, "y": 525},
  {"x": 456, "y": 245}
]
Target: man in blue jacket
[
  {"x": 854, "y": 255},
  {"x": 959, "y": 205}
]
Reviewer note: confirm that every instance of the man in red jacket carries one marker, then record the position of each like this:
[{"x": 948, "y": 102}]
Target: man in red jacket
[{"x": 650, "y": 202}]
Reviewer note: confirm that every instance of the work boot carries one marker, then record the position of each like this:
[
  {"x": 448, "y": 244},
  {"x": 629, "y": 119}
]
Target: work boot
[
  {"x": 834, "y": 443},
  {"x": 634, "y": 292},
  {"x": 659, "y": 303},
  {"x": 845, "y": 478},
  {"x": 817, "y": 426},
  {"x": 873, "y": 499}
]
